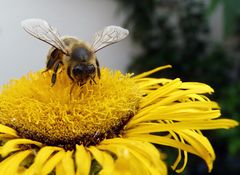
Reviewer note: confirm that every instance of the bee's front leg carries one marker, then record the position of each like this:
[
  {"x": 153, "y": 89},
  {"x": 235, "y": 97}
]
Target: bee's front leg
[
  {"x": 55, "y": 70},
  {"x": 93, "y": 80},
  {"x": 71, "y": 89},
  {"x": 98, "y": 69}
]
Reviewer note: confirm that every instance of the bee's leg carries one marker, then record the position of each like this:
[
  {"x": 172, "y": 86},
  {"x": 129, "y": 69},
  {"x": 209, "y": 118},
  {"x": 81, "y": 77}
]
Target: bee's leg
[
  {"x": 45, "y": 71},
  {"x": 52, "y": 58},
  {"x": 98, "y": 69},
  {"x": 69, "y": 73},
  {"x": 92, "y": 78},
  {"x": 71, "y": 90},
  {"x": 55, "y": 70},
  {"x": 81, "y": 84}
]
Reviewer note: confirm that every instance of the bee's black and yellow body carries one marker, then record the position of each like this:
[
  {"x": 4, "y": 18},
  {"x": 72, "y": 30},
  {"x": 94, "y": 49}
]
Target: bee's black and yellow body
[{"x": 80, "y": 62}]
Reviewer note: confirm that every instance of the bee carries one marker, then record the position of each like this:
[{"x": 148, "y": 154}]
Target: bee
[{"x": 75, "y": 56}]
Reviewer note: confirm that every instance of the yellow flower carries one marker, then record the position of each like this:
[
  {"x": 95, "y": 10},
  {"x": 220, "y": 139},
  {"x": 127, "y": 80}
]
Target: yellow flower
[{"x": 111, "y": 127}]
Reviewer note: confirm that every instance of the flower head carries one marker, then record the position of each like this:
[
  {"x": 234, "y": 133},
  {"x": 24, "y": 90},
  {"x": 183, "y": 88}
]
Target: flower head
[{"x": 111, "y": 127}]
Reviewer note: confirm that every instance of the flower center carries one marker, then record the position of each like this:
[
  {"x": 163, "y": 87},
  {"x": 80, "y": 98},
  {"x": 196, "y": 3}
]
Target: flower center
[{"x": 53, "y": 116}]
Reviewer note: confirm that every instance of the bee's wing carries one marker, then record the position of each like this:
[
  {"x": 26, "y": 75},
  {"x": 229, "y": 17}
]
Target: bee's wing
[
  {"x": 109, "y": 35},
  {"x": 43, "y": 31}
]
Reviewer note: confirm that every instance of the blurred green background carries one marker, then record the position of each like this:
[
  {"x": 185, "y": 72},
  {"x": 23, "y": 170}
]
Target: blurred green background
[{"x": 177, "y": 32}]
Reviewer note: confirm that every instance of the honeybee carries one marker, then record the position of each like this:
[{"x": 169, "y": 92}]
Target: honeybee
[{"x": 72, "y": 54}]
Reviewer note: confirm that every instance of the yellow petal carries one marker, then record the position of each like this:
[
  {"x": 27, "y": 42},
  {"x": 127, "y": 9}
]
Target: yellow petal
[
  {"x": 201, "y": 145},
  {"x": 42, "y": 156},
  {"x": 12, "y": 145},
  {"x": 68, "y": 163},
  {"x": 126, "y": 163},
  {"x": 7, "y": 130},
  {"x": 178, "y": 111},
  {"x": 10, "y": 165},
  {"x": 146, "y": 83},
  {"x": 160, "y": 92},
  {"x": 52, "y": 162},
  {"x": 201, "y": 124},
  {"x": 162, "y": 140},
  {"x": 145, "y": 74},
  {"x": 177, "y": 95},
  {"x": 144, "y": 152},
  {"x": 197, "y": 86},
  {"x": 185, "y": 155},
  {"x": 83, "y": 160},
  {"x": 60, "y": 170},
  {"x": 197, "y": 144},
  {"x": 6, "y": 137},
  {"x": 122, "y": 167},
  {"x": 104, "y": 159}
]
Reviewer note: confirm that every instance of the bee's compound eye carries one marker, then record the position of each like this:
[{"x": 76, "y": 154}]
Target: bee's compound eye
[
  {"x": 78, "y": 70},
  {"x": 90, "y": 69}
]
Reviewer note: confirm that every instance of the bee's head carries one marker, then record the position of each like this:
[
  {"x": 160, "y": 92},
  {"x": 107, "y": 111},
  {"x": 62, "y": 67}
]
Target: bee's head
[
  {"x": 80, "y": 54},
  {"x": 83, "y": 72}
]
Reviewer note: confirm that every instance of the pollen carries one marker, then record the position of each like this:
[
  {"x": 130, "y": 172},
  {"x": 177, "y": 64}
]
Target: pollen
[{"x": 54, "y": 116}]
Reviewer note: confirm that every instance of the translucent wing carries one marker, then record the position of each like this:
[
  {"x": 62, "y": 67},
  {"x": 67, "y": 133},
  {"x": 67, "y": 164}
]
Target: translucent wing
[
  {"x": 109, "y": 35},
  {"x": 43, "y": 31}
]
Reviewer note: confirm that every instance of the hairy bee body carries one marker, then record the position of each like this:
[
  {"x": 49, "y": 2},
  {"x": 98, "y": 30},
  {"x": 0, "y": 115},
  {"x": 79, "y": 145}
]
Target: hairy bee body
[{"x": 80, "y": 64}]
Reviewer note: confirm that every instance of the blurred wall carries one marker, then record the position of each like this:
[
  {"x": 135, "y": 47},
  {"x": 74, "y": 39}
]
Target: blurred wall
[
  {"x": 21, "y": 53},
  {"x": 216, "y": 24}
]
